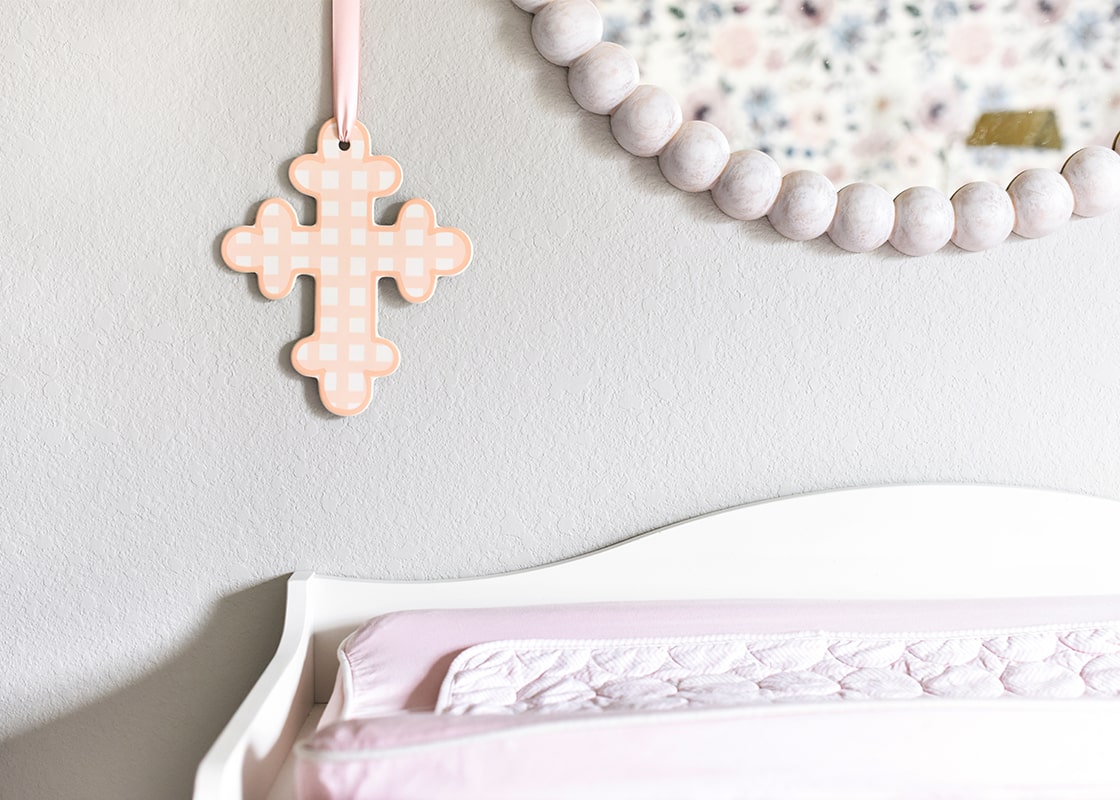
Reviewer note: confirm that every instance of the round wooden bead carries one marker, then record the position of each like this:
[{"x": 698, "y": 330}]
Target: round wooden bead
[
  {"x": 864, "y": 218},
  {"x": 564, "y": 30},
  {"x": 646, "y": 120},
  {"x": 1094, "y": 176},
  {"x": 985, "y": 216},
  {"x": 1043, "y": 202},
  {"x": 923, "y": 221},
  {"x": 532, "y": 6},
  {"x": 804, "y": 207},
  {"x": 694, "y": 158},
  {"x": 603, "y": 77},
  {"x": 748, "y": 186}
]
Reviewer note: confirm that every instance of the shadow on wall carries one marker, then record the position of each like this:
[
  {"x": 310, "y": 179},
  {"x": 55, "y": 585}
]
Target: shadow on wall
[{"x": 145, "y": 740}]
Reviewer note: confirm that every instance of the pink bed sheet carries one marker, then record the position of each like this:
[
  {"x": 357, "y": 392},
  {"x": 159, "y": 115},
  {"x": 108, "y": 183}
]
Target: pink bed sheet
[{"x": 916, "y": 750}]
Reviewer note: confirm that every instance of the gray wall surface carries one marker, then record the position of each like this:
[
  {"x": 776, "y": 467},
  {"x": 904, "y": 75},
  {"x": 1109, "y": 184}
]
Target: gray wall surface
[{"x": 618, "y": 356}]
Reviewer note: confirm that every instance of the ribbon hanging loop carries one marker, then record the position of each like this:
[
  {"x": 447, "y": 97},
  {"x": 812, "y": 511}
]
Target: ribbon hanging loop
[{"x": 345, "y": 34}]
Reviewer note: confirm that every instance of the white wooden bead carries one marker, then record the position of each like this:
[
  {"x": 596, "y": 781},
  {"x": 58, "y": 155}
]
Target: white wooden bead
[
  {"x": 864, "y": 218},
  {"x": 805, "y": 206},
  {"x": 1043, "y": 202},
  {"x": 603, "y": 77},
  {"x": 1094, "y": 176},
  {"x": 564, "y": 30},
  {"x": 923, "y": 221},
  {"x": 532, "y": 6},
  {"x": 646, "y": 120},
  {"x": 985, "y": 216},
  {"x": 694, "y": 158},
  {"x": 748, "y": 186}
]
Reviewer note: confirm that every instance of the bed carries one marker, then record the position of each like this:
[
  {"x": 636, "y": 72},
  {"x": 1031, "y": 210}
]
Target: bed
[{"x": 938, "y": 567}]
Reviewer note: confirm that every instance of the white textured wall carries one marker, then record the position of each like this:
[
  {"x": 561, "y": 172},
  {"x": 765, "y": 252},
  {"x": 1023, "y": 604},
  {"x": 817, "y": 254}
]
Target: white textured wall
[{"x": 618, "y": 356}]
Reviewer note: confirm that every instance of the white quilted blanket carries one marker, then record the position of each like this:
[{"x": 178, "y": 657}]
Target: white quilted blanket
[{"x": 658, "y": 674}]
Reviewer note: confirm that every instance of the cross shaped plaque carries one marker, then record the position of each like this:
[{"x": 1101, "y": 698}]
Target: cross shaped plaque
[{"x": 346, "y": 253}]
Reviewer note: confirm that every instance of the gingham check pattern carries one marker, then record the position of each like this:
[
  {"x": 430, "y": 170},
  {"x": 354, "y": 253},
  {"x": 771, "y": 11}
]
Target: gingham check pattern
[{"x": 346, "y": 253}]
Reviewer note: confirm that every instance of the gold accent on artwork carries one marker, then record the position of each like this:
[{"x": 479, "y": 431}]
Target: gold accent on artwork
[{"x": 1038, "y": 128}]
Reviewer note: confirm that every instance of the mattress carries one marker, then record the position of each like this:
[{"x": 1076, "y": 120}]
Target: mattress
[{"x": 727, "y": 699}]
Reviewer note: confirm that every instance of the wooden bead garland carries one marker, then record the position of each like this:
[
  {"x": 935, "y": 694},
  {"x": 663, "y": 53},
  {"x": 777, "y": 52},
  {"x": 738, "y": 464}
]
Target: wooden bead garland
[
  {"x": 1043, "y": 202},
  {"x": 924, "y": 220},
  {"x": 747, "y": 185},
  {"x": 985, "y": 216},
  {"x": 805, "y": 206},
  {"x": 1094, "y": 175},
  {"x": 864, "y": 218},
  {"x": 646, "y": 120},
  {"x": 564, "y": 30},
  {"x": 603, "y": 77},
  {"x": 695, "y": 157}
]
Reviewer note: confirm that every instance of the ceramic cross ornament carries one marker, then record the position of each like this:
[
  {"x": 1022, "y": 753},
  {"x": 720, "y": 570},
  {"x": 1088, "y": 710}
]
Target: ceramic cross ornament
[{"x": 346, "y": 253}]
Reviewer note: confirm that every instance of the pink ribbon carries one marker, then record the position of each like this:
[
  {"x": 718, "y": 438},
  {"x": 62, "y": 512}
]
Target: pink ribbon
[{"x": 345, "y": 36}]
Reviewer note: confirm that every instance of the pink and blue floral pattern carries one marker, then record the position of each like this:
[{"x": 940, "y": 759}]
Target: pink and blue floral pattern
[{"x": 882, "y": 90}]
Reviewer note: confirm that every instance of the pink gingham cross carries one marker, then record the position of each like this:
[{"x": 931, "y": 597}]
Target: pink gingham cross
[{"x": 346, "y": 254}]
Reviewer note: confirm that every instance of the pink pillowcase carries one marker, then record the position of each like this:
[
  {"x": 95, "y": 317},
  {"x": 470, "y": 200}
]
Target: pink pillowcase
[{"x": 397, "y": 661}]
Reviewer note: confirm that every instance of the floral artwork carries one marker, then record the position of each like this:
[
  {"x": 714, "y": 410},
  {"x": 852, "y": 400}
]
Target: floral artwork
[{"x": 887, "y": 91}]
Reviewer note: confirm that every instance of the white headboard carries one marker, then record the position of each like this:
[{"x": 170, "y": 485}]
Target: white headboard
[{"x": 926, "y": 541}]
